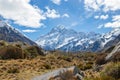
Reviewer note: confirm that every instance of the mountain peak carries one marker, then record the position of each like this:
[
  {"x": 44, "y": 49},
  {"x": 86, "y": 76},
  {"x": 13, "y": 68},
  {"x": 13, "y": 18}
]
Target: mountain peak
[
  {"x": 65, "y": 39},
  {"x": 2, "y": 23},
  {"x": 59, "y": 27}
]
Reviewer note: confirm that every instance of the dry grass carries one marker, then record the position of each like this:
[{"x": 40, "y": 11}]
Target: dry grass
[{"x": 25, "y": 69}]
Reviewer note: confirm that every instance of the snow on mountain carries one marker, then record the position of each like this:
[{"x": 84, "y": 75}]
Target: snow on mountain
[
  {"x": 56, "y": 38},
  {"x": 69, "y": 40},
  {"x": 10, "y": 34},
  {"x": 108, "y": 37}
]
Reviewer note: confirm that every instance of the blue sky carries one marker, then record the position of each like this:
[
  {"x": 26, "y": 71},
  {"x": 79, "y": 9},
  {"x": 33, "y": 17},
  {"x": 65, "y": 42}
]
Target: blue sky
[{"x": 37, "y": 17}]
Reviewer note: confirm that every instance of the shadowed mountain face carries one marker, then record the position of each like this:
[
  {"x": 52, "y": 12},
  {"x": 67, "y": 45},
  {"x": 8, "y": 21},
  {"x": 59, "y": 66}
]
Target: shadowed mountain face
[
  {"x": 10, "y": 34},
  {"x": 69, "y": 40}
]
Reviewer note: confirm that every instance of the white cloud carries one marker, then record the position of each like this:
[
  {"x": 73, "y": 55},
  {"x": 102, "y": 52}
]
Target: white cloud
[
  {"x": 56, "y": 2},
  {"x": 115, "y": 22},
  {"x": 51, "y": 13},
  {"x": 91, "y": 5},
  {"x": 104, "y": 5},
  {"x": 29, "y": 31},
  {"x": 111, "y": 5},
  {"x": 96, "y": 17},
  {"x": 100, "y": 26},
  {"x": 21, "y": 12},
  {"x": 65, "y": 15},
  {"x": 102, "y": 17}
]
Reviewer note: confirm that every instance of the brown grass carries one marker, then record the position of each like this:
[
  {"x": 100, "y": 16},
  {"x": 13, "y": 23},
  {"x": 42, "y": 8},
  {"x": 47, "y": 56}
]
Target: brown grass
[{"x": 20, "y": 68}]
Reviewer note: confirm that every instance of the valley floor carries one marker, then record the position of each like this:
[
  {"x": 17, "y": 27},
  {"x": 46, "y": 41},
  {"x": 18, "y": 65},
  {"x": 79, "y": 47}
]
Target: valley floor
[{"x": 26, "y": 69}]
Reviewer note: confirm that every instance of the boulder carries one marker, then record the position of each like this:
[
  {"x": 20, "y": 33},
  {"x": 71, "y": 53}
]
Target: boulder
[{"x": 55, "y": 74}]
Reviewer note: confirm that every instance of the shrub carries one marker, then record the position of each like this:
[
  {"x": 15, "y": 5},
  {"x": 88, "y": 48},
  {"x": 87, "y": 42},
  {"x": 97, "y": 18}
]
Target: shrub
[
  {"x": 47, "y": 66},
  {"x": 100, "y": 78},
  {"x": 18, "y": 45},
  {"x": 100, "y": 59},
  {"x": 86, "y": 66},
  {"x": 10, "y": 52},
  {"x": 13, "y": 70},
  {"x": 32, "y": 52},
  {"x": 112, "y": 70},
  {"x": 2, "y": 43},
  {"x": 116, "y": 57}
]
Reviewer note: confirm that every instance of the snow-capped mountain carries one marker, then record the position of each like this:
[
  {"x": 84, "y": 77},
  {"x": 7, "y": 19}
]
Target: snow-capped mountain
[
  {"x": 10, "y": 34},
  {"x": 112, "y": 38},
  {"x": 69, "y": 40}
]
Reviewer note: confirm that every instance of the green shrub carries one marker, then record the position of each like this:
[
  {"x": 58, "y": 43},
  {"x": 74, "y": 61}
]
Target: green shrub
[{"x": 32, "y": 52}]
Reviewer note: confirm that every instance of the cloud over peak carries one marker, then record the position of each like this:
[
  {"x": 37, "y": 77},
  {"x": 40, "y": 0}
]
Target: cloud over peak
[{"x": 51, "y": 13}]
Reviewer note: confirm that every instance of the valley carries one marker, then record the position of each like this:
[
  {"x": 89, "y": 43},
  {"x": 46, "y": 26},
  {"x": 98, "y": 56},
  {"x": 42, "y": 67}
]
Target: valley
[{"x": 92, "y": 56}]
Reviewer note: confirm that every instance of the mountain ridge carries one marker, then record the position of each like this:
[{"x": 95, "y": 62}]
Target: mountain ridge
[
  {"x": 10, "y": 34},
  {"x": 70, "y": 40}
]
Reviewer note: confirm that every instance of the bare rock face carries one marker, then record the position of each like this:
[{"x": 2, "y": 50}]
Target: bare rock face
[
  {"x": 114, "y": 51},
  {"x": 61, "y": 73}
]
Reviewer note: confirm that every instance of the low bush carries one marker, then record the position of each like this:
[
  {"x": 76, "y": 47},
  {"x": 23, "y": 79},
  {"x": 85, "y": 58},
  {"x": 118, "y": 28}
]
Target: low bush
[
  {"x": 47, "y": 66},
  {"x": 116, "y": 57},
  {"x": 86, "y": 66},
  {"x": 10, "y": 52},
  {"x": 113, "y": 70},
  {"x": 100, "y": 78},
  {"x": 32, "y": 52},
  {"x": 100, "y": 59},
  {"x": 3, "y": 43},
  {"x": 13, "y": 70}
]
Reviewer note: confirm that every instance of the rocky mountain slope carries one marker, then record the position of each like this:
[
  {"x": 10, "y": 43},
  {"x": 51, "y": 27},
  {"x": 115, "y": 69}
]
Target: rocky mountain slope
[
  {"x": 10, "y": 34},
  {"x": 69, "y": 40},
  {"x": 115, "y": 51}
]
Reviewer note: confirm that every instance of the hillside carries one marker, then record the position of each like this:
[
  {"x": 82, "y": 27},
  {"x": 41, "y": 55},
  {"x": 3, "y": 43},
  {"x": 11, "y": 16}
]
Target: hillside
[{"x": 10, "y": 34}]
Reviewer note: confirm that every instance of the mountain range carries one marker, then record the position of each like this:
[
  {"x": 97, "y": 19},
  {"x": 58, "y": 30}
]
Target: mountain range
[{"x": 60, "y": 38}]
